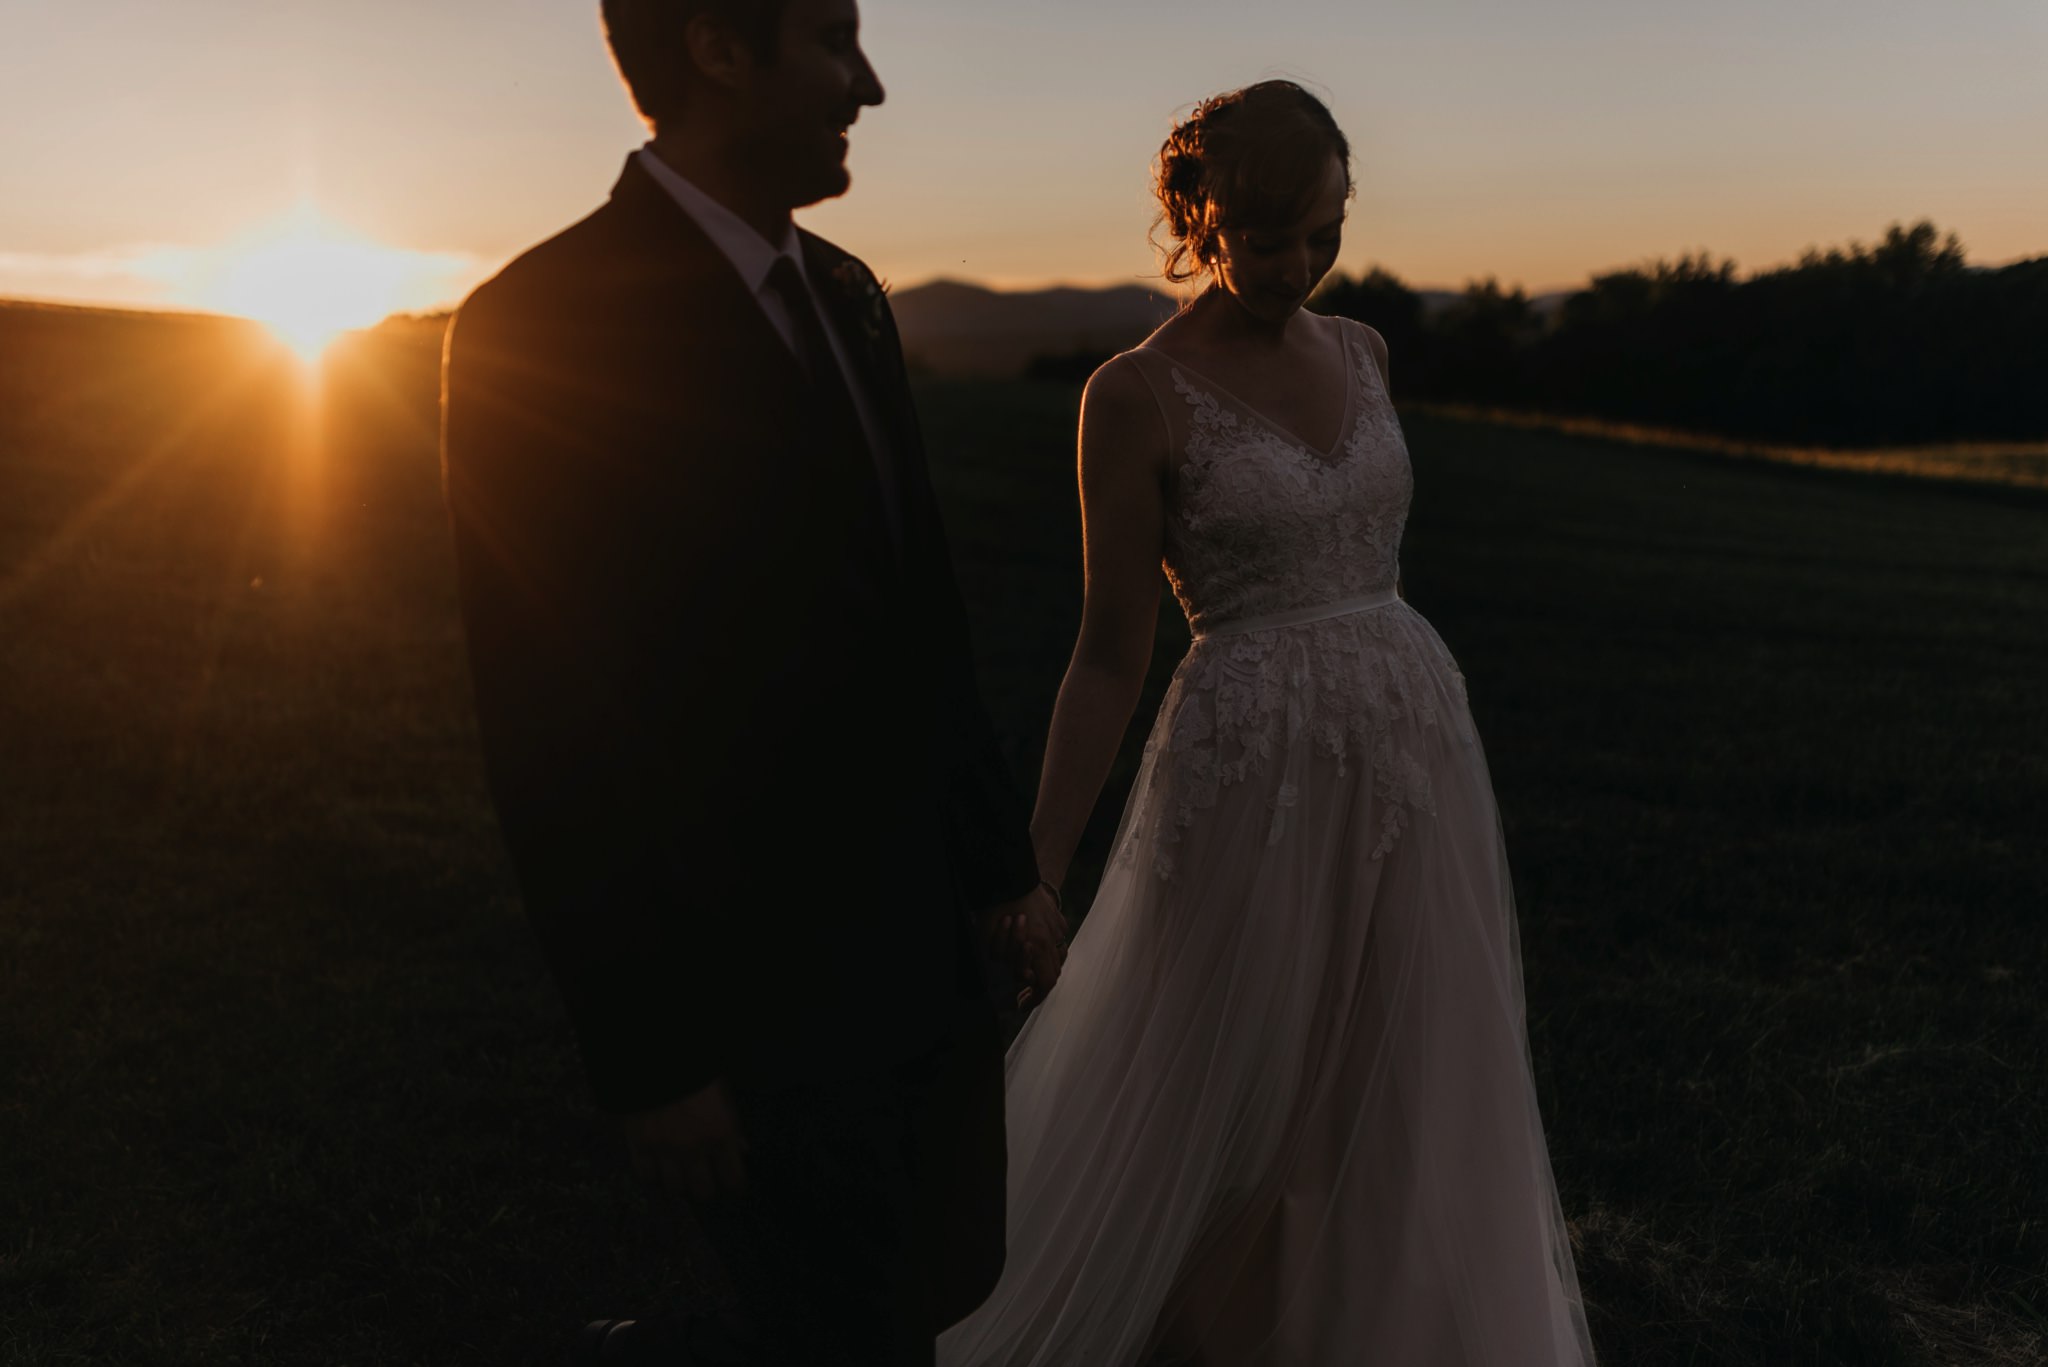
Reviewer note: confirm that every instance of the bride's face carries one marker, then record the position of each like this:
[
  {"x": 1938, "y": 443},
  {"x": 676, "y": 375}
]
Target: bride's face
[{"x": 1272, "y": 270}]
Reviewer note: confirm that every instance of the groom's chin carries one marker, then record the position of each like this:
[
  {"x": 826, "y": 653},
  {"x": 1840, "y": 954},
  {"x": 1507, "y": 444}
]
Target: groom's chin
[
  {"x": 828, "y": 169},
  {"x": 825, "y": 185}
]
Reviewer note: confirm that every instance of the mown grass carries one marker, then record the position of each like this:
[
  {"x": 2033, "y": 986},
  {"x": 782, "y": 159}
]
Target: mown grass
[
  {"x": 282, "y": 1080},
  {"x": 2019, "y": 464}
]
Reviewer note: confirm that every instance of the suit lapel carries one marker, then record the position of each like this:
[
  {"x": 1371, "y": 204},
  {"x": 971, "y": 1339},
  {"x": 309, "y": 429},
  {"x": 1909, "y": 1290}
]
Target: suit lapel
[
  {"x": 881, "y": 382},
  {"x": 709, "y": 288},
  {"x": 695, "y": 287},
  {"x": 881, "y": 374}
]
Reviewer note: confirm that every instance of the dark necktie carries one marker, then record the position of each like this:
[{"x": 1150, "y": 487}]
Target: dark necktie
[{"x": 828, "y": 381}]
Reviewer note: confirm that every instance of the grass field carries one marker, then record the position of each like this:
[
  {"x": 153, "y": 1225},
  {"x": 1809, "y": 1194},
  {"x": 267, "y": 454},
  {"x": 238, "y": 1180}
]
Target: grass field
[
  {"x": 282, "y": 1079},
  {"x": 2015, "y": 464}
]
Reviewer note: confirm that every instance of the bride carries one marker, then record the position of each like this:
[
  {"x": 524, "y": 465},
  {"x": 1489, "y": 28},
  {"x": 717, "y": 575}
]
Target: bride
[{"x": 1279, "y": 1107}]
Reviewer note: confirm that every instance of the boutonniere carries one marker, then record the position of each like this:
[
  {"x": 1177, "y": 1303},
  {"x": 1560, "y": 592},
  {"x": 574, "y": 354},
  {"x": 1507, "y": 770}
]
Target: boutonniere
[{"x": 868, "y": 297}]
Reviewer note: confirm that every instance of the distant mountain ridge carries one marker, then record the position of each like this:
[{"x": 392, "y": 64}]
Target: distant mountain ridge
[
  {"x": 951, "y": 327},
  {"x": 957, "y": 328}
]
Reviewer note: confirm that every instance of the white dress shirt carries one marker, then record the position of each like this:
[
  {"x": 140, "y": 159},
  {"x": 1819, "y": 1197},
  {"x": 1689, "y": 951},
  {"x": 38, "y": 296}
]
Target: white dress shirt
[{"x": 754, "y": 256}]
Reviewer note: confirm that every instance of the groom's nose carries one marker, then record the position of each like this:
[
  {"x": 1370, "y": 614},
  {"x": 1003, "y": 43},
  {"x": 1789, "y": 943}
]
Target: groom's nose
[{"x": 867, "y": 86}]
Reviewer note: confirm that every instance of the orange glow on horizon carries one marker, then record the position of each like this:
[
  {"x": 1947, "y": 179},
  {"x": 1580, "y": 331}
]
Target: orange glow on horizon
[{"x": 309, "y": 280}]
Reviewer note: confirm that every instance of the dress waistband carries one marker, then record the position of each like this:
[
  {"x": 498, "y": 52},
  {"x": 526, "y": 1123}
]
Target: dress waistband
[{"x": 1298, "y": 616}]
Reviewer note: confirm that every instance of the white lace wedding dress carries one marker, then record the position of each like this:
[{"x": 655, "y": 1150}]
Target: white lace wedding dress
[{"x": 1279, "y": 1108}]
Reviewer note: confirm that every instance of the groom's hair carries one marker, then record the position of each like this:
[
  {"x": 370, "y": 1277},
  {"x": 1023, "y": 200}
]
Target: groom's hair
[{"x": 648, "y": 44}]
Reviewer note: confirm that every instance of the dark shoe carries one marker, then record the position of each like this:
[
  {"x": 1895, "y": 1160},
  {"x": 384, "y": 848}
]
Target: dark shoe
[
  {"x": 603, "y": 1341},
  {"x": 692, "y": 1342}
]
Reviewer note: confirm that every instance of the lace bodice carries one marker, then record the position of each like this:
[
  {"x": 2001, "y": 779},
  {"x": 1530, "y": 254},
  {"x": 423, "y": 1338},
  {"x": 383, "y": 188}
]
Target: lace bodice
[{"x": 1257, "y": 522}]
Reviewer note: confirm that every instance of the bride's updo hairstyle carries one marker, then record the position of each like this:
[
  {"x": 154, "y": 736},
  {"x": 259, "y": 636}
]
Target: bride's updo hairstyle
[{"x": 1248, "y": 158}]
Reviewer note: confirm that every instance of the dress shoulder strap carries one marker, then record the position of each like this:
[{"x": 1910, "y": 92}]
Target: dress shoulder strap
[
  {"x": 1155, "y": 370},
  {"x": 1359, "y": 336}
]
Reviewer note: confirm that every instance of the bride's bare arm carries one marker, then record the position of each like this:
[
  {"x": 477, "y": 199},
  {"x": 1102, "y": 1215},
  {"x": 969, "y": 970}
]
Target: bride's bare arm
[{"x": 1123, "y": 468}]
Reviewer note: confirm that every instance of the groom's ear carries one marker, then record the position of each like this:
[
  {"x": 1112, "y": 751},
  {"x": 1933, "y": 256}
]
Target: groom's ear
[{"x": 720, "y": 53}]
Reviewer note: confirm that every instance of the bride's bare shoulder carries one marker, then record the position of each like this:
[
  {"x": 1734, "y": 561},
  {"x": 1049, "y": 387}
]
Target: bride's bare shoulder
[
  {"x": 1118, "y": 380},
  {"x": 1122, "y": 414}
]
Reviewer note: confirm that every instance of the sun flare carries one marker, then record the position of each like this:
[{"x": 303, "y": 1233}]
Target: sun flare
[{"x": 309, "y": 281}]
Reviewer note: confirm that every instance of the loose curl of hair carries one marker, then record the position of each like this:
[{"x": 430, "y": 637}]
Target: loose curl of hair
[{"x": 1245, "y": 158}]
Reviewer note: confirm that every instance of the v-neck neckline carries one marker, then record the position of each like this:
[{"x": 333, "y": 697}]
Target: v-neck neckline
[{"x": 1330, "y": 456}]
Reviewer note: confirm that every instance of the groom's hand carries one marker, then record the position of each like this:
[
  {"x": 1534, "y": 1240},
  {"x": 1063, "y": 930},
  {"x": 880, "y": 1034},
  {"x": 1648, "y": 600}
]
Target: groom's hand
[
  {"x": 692, "y": 1147},
  {"x": 1033, "y": 936}
]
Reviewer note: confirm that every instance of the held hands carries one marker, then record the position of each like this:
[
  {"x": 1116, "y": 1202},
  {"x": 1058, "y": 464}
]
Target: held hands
[
  {"x": 691, "y": 1148},
  {"x": 1031, "y": 934}
]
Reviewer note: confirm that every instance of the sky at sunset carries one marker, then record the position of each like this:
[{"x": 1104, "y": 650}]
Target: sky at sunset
[{"x": 148, "y": 146}]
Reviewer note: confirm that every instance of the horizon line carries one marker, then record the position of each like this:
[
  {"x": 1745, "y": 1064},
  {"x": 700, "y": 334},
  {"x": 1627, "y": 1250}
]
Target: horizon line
[
  {"x": 998, "y": 285},
  {"x": 991, "y": 284}
]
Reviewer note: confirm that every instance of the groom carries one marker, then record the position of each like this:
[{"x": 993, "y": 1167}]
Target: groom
[{"x": 759, "y": 816}]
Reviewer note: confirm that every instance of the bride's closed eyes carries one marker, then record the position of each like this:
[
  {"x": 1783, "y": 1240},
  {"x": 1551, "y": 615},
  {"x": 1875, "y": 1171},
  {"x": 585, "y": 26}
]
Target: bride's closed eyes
[
  {"x": 1269, "y": 248},
  {"x": 1266, "y": 244}
]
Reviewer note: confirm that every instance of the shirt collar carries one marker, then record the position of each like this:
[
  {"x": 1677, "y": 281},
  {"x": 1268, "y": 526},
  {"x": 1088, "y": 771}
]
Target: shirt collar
[{"x": 751, "y": 254}]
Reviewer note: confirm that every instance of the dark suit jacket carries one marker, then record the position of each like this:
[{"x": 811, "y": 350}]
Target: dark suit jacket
[{"x": 748, "y": 786}]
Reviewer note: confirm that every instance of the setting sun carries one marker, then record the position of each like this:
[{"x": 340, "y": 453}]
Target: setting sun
[{"x": 310, "y": 280}]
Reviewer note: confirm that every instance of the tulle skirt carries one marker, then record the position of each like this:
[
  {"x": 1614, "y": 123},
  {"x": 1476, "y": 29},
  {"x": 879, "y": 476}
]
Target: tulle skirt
[{"x": 1279, "y": 1109}]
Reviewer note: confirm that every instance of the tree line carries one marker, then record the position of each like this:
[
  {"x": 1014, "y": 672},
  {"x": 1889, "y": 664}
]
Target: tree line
[{"x": 1902, "y": 342}]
